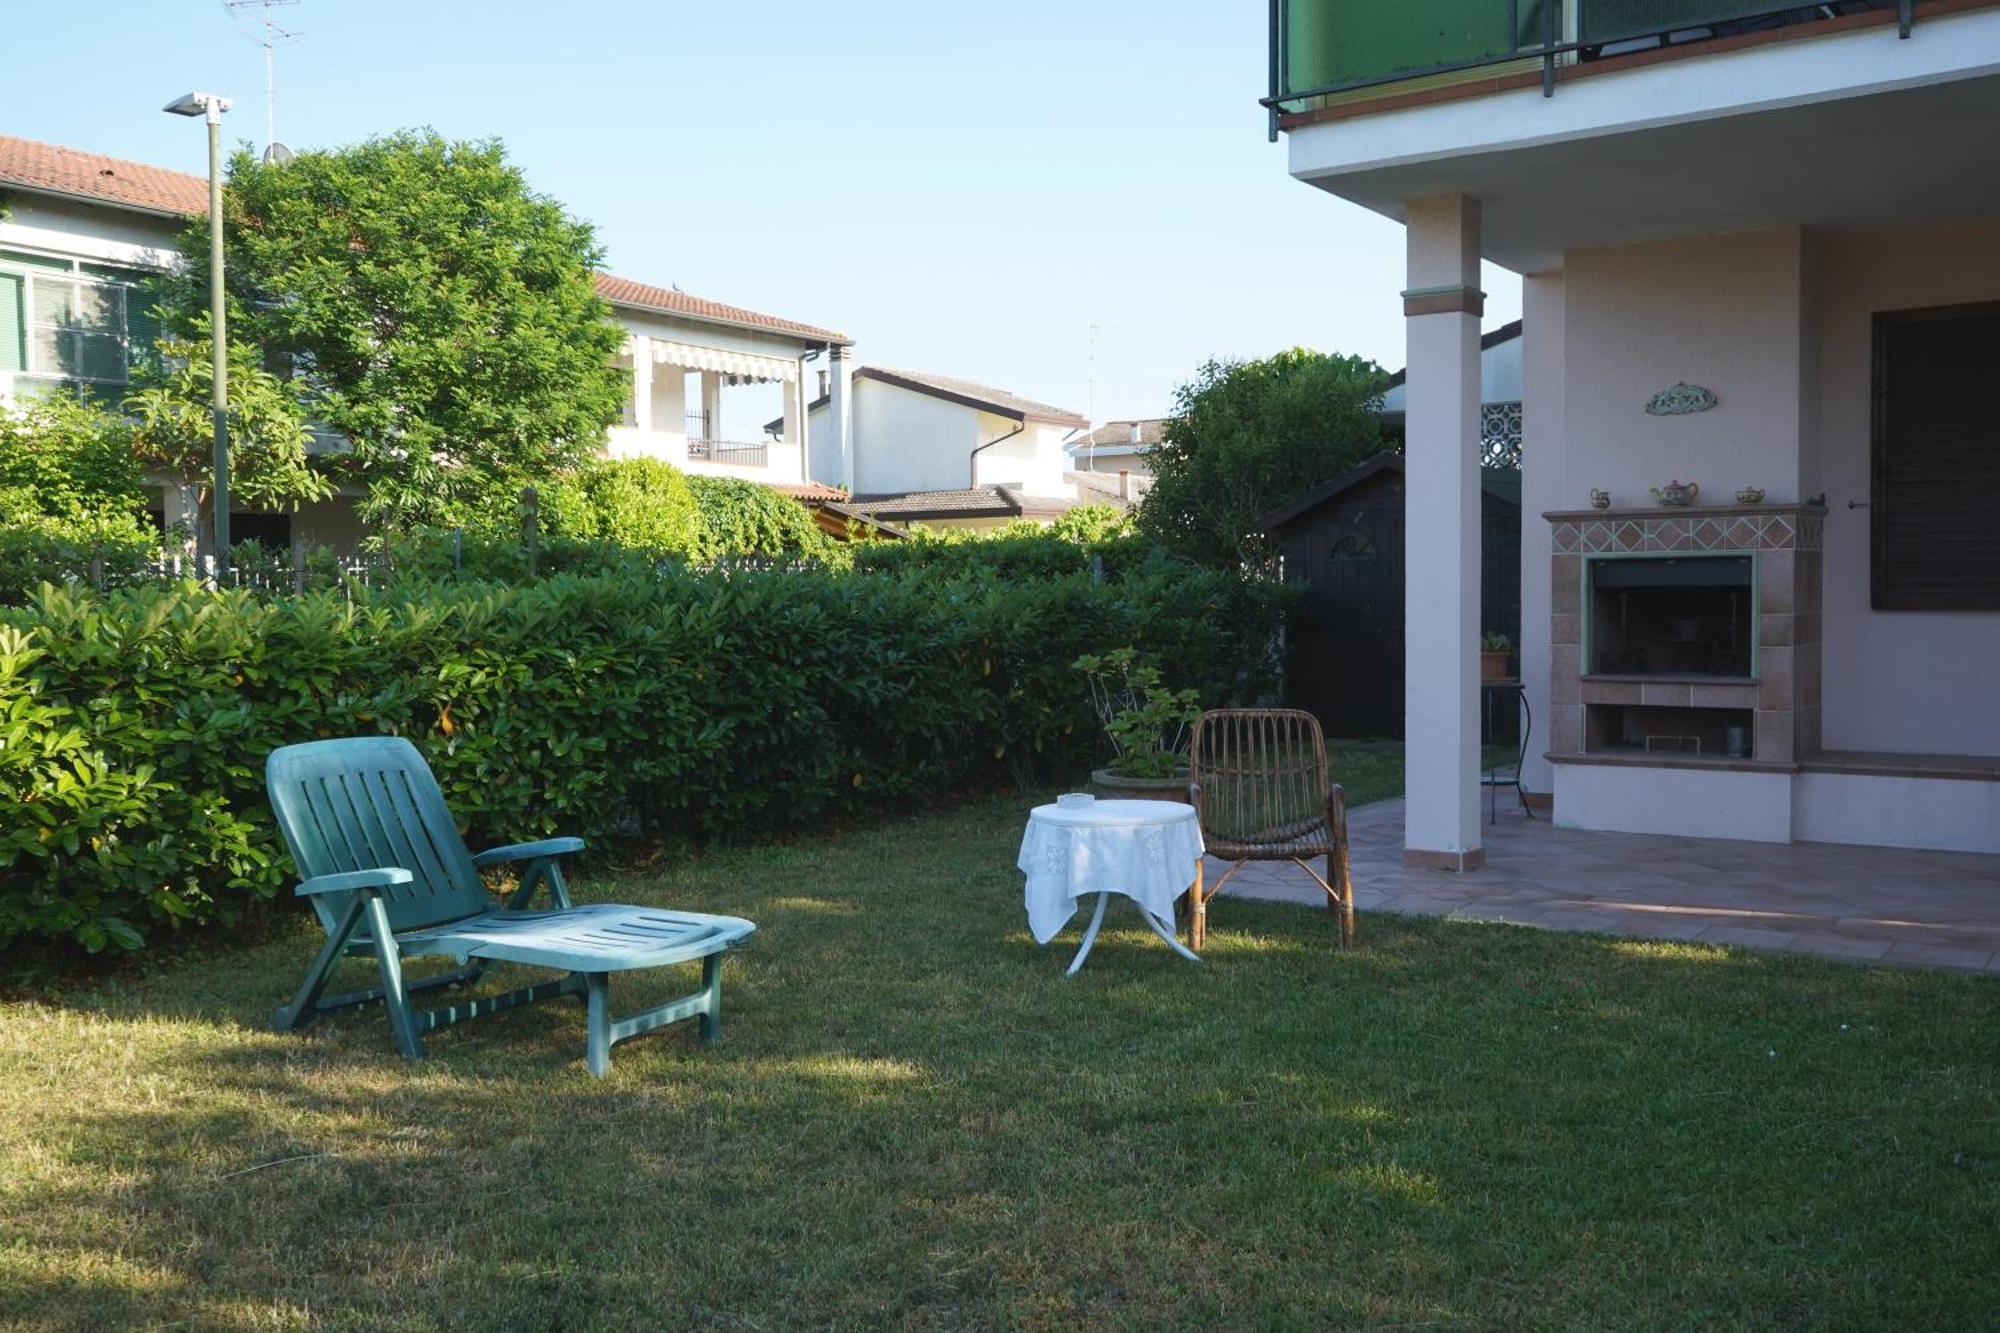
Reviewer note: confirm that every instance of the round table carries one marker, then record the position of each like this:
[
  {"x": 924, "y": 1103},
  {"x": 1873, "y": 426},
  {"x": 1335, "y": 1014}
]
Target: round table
[{"x": 1144, "y": 850}]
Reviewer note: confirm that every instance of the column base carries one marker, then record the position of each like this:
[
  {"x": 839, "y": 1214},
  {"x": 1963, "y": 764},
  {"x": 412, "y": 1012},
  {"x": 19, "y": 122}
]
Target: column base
[{"x": 1417, "y": 858}]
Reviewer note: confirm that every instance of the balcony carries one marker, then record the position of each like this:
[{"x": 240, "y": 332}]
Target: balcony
[{"x": 1332, "y": 52}]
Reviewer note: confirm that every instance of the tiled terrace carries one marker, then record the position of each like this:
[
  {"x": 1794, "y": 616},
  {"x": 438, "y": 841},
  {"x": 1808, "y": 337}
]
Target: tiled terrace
[{"x": 1924, "y": 908}]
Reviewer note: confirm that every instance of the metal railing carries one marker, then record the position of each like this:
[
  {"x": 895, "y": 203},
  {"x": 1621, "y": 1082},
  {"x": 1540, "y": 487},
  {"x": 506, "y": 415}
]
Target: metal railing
[
  {"x": 739, "y": 453},
  {"x": 1324, "y": 48}
]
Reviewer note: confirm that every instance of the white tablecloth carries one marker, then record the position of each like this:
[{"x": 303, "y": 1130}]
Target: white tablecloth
[{"x": 1145, "y": 850}]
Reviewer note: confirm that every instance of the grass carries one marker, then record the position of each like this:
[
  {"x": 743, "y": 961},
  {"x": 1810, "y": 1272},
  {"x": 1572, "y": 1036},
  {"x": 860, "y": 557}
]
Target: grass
[{"x": 916, "y": 1122}]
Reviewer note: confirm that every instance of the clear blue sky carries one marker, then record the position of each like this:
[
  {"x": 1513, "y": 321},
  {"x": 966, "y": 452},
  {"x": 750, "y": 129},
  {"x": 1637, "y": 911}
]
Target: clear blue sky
[{"x": 962, "y": 188}]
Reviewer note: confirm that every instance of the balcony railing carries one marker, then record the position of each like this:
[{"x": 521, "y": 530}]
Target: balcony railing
[
  {"x": 1325, "y": 48},
  {"x": 737, "y": 453}
]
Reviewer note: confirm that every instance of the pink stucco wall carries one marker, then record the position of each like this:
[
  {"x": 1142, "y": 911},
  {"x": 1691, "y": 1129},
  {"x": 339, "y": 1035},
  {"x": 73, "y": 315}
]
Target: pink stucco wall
[
  {"x": 1894, "y": 680},
  {"x": 1778, "y": 323}
]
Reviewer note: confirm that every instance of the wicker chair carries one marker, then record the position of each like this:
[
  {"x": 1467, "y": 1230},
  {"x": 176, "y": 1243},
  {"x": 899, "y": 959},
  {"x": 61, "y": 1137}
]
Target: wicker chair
[{"x": 1258, "y": 781}]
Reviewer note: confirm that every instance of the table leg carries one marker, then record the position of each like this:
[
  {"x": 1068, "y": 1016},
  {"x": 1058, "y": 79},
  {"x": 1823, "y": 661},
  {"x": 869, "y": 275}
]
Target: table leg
[
  {"x": 1168, "y": 936},
  {"x": 1090, "y": 935}
]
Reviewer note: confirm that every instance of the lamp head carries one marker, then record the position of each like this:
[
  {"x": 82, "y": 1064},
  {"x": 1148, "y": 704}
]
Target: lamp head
[{"x": 198, "y": 104}]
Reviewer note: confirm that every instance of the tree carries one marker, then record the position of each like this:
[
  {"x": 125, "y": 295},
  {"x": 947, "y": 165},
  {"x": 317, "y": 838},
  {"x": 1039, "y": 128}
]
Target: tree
[
  {"x": 428, "y": 306},
  {"x": 1249, "y": 436},
  {"x": 173, "y": 430}
]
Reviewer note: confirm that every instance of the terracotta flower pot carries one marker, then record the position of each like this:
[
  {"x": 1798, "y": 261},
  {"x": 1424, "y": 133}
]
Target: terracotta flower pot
[
  {"x": 1493, "y": 663},
  {"x": 1110, "y": 786}
]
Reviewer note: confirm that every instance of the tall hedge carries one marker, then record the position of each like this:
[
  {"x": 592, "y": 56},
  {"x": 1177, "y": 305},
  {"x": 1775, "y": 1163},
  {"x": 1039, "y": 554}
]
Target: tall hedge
[{"x": 729, "y": 705}]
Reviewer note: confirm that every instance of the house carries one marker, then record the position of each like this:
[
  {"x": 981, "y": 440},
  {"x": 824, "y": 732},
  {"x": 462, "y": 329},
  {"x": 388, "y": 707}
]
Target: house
[
  {"x": 1119, "y": 446},
  {"x": 1343, "y": 545},
  {"x": 940, "y": 449},
  {"x": 81, "y": 231},
  {"x": 1760, "y": 259}
]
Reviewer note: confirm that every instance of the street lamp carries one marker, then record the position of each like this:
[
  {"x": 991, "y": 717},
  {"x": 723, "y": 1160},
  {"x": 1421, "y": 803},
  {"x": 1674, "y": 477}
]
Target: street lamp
[{"x": 211, "y": 107}]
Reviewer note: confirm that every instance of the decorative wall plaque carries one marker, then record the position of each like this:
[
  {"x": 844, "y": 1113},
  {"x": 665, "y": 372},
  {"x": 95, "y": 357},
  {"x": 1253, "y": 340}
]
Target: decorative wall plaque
[{"x": 1680, "y": 400}]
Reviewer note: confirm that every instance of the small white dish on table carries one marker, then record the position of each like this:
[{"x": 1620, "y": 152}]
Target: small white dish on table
[{"x": 1144, "y": 850}]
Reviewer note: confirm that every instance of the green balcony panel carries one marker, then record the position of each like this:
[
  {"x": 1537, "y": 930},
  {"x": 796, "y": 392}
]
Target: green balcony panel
[
  {"x": 1610, "y": 20},
  {"x": 1339, "y": 43}
]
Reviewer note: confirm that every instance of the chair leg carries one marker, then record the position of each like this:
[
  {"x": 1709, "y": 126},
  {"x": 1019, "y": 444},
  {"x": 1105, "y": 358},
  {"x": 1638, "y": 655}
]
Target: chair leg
[
  {"x": 710, "y": 1022},
  {"x": 1340, "y": 874},
  {"x": 402, "y": 1022},
  {"x": 305, "y": 1004},
  {"x": 597, "y": 1023},
  {"x": 1197, "y": 911}
]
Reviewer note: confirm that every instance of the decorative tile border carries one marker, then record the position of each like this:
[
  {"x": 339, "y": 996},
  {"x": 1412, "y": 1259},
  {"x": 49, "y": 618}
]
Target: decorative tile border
[{"x": 1728, "y": 530}]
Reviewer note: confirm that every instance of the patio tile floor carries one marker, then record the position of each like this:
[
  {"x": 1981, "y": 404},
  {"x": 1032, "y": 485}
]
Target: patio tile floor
[{"x": 1913, "y": 907}]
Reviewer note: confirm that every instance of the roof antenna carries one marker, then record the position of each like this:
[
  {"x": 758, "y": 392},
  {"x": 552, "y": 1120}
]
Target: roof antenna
[{"x": 263, "y": 29}]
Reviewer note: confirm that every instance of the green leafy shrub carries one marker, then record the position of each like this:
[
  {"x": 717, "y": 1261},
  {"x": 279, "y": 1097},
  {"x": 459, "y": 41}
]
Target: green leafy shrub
[
  {"x": 638, "y": 504},
  {"x": 744, "y": 518},
  {"x": 1146, "y": 720},
  {"x": 660, "y": 706}
]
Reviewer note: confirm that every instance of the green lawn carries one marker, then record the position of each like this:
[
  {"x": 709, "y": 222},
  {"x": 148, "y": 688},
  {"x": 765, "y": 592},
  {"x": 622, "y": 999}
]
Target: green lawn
[{"x": 916, "y": 1122}]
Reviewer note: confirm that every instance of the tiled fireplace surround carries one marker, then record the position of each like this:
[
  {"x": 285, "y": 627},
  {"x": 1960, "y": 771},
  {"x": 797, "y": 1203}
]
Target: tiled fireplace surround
[{"x": 1785, "y": 691}]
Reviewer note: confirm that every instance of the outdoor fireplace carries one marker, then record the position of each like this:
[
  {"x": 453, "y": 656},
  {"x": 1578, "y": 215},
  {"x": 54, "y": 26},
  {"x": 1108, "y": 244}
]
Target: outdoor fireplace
[
  {"x": 1685, "y": 636},
  {"x": 1671, "y": 616}
]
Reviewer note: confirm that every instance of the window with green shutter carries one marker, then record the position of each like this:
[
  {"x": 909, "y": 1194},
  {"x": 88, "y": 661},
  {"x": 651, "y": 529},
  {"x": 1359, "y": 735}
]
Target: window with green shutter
[{"x": 13, "y": 350}]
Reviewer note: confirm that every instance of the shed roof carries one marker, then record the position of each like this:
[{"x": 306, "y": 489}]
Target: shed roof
[{"x": 1503, "y": 484}]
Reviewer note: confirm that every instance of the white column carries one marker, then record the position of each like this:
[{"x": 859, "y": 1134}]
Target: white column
[
  {"x": 840, "y": 395},
  {"x": 642, "y": 383},
  {"x": 1441, "y": 524},
  {"x": 795, "y": 417},
  {"x": 711, "y": 402},
  {"x": 1544, "y": 465}
]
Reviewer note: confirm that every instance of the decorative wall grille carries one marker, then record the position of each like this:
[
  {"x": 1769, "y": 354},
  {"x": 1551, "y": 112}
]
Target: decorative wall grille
[{"x": 1500, "y": 435}]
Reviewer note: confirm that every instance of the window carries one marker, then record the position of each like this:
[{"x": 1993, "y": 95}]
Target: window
[
  {"x": 65, "y": 320},
  {"x": 1935, "y": 542}
]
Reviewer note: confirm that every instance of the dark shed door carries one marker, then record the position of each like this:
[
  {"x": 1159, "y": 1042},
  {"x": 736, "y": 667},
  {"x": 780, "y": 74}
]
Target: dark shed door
[{"x": 1346, "y": 664}]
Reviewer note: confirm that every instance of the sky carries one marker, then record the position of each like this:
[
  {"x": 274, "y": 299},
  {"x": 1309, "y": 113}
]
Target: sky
[{"x": 1072, "y": 199}]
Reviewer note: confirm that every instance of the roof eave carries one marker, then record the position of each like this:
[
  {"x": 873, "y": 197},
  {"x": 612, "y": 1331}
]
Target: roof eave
[
  {"x": 823, "y": 337},
  {"x": 99, "y": 201}
]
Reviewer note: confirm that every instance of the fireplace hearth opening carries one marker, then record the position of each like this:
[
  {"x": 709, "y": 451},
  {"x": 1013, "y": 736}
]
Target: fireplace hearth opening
[{"x": 1670, "y": 616}]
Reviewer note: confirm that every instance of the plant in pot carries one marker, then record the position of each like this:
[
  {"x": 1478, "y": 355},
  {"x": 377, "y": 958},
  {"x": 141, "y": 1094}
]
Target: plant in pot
[
  {"x": 1494, "y": 650},
  {"x": 1147, "y": 723}
]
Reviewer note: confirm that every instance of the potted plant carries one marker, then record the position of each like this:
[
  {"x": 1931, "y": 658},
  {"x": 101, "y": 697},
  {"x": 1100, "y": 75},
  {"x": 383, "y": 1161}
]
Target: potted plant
[
  {"x": 1148, "y": 726},
  {"x": 1494, "y": 650}
]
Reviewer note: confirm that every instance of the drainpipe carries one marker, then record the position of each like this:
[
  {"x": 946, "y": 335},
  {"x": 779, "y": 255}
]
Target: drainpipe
[{"x": 972, "y": 459}]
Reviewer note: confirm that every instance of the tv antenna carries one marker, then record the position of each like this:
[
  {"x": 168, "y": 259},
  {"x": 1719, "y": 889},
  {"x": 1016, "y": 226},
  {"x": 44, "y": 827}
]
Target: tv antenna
[{"x": 255, "y": 19}]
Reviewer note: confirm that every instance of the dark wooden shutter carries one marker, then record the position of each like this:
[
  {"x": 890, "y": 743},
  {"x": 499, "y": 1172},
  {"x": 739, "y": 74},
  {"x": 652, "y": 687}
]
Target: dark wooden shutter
[{"x": 1936, "y": 501}]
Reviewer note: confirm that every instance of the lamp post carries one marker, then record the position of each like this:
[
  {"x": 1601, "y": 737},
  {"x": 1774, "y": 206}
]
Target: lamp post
[{"x": 211, "y": 107}]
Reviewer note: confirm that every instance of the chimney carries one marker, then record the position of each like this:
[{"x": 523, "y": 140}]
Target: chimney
[
  {"x": 825, "y": 379},
  {"x": 1125, "y": 479},
  {"x": 1135, "y": 433}
]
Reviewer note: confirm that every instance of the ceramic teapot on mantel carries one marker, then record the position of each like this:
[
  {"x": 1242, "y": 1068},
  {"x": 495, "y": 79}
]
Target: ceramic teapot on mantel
[{"x": 1676, "y": 494}]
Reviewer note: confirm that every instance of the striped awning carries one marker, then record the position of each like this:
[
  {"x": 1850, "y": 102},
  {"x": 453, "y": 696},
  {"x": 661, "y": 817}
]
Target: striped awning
[{"x": 738, "y": 367}]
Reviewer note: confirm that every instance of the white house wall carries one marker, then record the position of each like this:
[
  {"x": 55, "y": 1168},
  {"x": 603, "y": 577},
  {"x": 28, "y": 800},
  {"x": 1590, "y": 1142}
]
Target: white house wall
[
  {"x": 907, "y": 441},
  {"x": 1033, "y": 460},
  {"x": 114, "y": 237}
]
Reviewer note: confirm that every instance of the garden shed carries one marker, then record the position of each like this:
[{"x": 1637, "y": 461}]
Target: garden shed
[{"x": 1343, "y": 544}]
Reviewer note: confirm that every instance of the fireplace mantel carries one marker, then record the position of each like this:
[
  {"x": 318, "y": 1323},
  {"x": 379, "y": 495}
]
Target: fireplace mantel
[{"x": 1682, "y": 511}]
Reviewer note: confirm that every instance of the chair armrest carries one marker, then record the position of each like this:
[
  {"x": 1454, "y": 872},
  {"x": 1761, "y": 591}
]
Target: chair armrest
[
  {"x": 528, "y": 851},
  {"x": 348, "y": 881}
]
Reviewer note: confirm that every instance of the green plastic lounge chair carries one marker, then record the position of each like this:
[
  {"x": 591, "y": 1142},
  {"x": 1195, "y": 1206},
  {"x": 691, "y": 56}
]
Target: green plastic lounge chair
[{"x": 388, "y": 873}]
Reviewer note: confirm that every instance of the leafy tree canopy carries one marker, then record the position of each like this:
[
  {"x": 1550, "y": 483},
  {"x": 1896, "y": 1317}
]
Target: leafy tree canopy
[
  {"x": 269, "y": 467},
  {"x": 426, "y": 305},
  {"x": 1248, "y": 436}
]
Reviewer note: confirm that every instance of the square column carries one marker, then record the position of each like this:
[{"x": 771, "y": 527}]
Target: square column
[
  {"x": 711, "y": 403},
  {"x": 1441, "y": 546},
  {"x": 642, "y": 383}
]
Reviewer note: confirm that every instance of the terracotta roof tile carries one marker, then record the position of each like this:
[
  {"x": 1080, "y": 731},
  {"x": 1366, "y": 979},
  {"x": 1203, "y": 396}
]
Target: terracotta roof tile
[
  {"x": 811, "y": 490},
  {"x": 644, "y": 296},
  {"x": 29, "y": 165},
  {"x": 969, "y": 502},
  {"x": 974, "y": 394}
]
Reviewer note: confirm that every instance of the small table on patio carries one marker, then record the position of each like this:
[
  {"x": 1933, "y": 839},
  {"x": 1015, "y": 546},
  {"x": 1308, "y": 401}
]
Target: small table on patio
[{"x": 1146, "y": 850}]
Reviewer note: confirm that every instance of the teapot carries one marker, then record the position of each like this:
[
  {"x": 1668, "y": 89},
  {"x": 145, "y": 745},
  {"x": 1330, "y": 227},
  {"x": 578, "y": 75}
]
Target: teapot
[{"x": 1676, "y": 493}]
